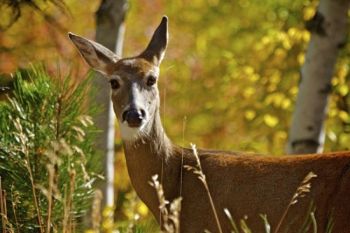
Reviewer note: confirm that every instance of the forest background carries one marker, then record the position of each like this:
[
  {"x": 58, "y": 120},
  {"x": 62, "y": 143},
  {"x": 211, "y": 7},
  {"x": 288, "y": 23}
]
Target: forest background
[{"x": 229, "y": 79}]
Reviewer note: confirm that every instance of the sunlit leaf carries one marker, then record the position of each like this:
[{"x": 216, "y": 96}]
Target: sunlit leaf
[
  {"x": 344, "y": 116},
  {"x": 343, "y": 90},
  {"x": 250, "y": 114},
  {"x": 270, "y": 120},
  {"x": 248, "y": 92},
  {"x": 309, "y": 12},
  {"x": 301, "y": 58}
]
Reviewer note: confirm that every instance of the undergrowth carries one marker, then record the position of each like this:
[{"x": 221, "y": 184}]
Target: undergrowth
[{"x": 47, "y": 166}]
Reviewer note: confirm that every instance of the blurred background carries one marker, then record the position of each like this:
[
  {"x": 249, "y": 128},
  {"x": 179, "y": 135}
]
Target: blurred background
[{"x": 229, "y": 79}]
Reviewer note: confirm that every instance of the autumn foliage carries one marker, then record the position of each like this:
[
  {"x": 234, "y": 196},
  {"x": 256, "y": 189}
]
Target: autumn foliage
[{"x": 229, "y": 79}]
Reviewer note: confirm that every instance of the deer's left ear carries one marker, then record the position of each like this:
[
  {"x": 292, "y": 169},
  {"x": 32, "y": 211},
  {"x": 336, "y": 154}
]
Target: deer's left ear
[{"x": 157, "y": 46}]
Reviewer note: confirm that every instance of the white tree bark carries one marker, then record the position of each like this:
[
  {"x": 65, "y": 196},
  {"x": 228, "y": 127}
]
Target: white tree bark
[
  {"x": 110, "y": 33},
  {"x": 328, "y": 28}
]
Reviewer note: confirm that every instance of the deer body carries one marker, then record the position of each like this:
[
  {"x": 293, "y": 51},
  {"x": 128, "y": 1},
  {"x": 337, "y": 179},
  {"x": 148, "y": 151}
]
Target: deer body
[{"x": 246, "y": 185}]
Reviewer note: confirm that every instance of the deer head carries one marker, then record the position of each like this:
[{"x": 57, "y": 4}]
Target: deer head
[{"x": 133, "y": 80}]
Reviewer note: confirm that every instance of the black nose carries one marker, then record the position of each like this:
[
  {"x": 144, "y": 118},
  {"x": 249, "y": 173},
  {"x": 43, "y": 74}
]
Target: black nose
[{"x": 134, "y": 117}]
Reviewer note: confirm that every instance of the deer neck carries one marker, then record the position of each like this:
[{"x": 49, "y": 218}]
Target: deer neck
[{"x": 150, "y": 156}]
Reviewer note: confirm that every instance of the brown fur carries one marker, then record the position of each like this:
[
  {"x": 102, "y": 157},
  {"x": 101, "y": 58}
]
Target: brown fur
[{"x": 247, "y": 185}]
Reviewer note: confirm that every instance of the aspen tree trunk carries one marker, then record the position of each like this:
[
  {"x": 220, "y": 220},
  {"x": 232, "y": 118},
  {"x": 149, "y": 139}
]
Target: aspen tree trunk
[
  {"x": 109, "y": 32},
  {"x": 328, "y": 33}
]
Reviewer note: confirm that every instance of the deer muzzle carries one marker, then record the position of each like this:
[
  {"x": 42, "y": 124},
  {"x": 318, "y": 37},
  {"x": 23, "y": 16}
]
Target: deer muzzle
[{"x": 134, "y": 117}]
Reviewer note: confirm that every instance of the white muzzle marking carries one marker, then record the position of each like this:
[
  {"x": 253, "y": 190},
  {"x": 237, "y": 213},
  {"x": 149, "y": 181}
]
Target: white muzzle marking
[{"x": 129, "y": 133}]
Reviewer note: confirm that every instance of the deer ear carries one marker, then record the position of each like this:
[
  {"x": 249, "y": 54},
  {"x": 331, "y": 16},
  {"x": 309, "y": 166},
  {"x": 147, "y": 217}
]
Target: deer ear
[
  {"x": 95, "y": 54},
  {"x": 156, "y": 47}
]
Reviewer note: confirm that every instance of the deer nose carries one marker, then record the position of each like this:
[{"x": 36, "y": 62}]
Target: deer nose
[{"x": 134, "y": 117}]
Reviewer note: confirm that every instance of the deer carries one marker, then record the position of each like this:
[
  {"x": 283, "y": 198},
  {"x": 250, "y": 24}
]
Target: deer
[{"x": 247, "y": 185}]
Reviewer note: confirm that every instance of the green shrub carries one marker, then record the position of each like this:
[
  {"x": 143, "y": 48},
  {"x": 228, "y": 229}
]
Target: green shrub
[{"x": 47, "y": 160}]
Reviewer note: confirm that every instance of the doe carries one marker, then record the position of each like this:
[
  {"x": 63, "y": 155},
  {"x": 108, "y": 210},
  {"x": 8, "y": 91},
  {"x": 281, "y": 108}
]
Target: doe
[{"x": 247, "y": 185}]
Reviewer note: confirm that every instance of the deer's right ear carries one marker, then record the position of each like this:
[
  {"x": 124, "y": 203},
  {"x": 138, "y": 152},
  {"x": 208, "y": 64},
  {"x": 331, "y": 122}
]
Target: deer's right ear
[
  {"x": 95, "y": 54},
  {"x": 157, "y": 46}
]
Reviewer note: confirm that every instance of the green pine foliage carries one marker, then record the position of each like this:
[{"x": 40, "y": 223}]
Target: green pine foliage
[{"x": 47, "y": 161}]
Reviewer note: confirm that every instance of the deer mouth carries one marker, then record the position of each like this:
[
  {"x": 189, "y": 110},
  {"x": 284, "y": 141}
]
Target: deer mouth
[
  {"x": 131, "y": 131},
  {"x": 135, "y": 124}
]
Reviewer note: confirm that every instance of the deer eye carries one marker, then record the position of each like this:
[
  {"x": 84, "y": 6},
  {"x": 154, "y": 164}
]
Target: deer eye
[
  {"x": 114, "y": 84},
  {"x": 151, "y": 80}
]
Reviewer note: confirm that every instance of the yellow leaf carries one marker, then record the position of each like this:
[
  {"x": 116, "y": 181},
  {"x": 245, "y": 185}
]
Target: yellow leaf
[
  {"x": 275, "y": 77},
  {"x": 254, "y": 77},
  {"x": 309, "y": 12},
  {"x": 344, "y": 139},
  {"x": 343, "y": 71},
  {"x": 250, "y": 114},
  {"x": 275, "y": 99},
  {"x": 248, "y": 92},
  {"x": 306, "y": 36},
  {"x": 265, "y": 40},
  {"x": 142, "y": 209},
  {"x": 201, "y": 44},
  {"x": 107, "y": 224},
  {"x": 281, "y": 135},
  {"x": 272, "y": 87},
  {"x": 270, "y": 120},
  {"x": 335, "y": 81},
  {"x": 90, "y": 231},
  {"x": 292, "y": 31},
  {"x": 293, "y": 90},
  {"x": 332, "y": 112},
  {"x": 248, "y": 70},
  {"x": 280, "y": 54},
  {"x": 287, "y": 44},
  {"x": 332, "y": 136},
  {"x": 344, "y": 116},
  {"x": 301, "y": 58},
  {"x": 286, "y": 103},
  {"x": 108, "y": 211},
  {"x": 343, "y": 90}
]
